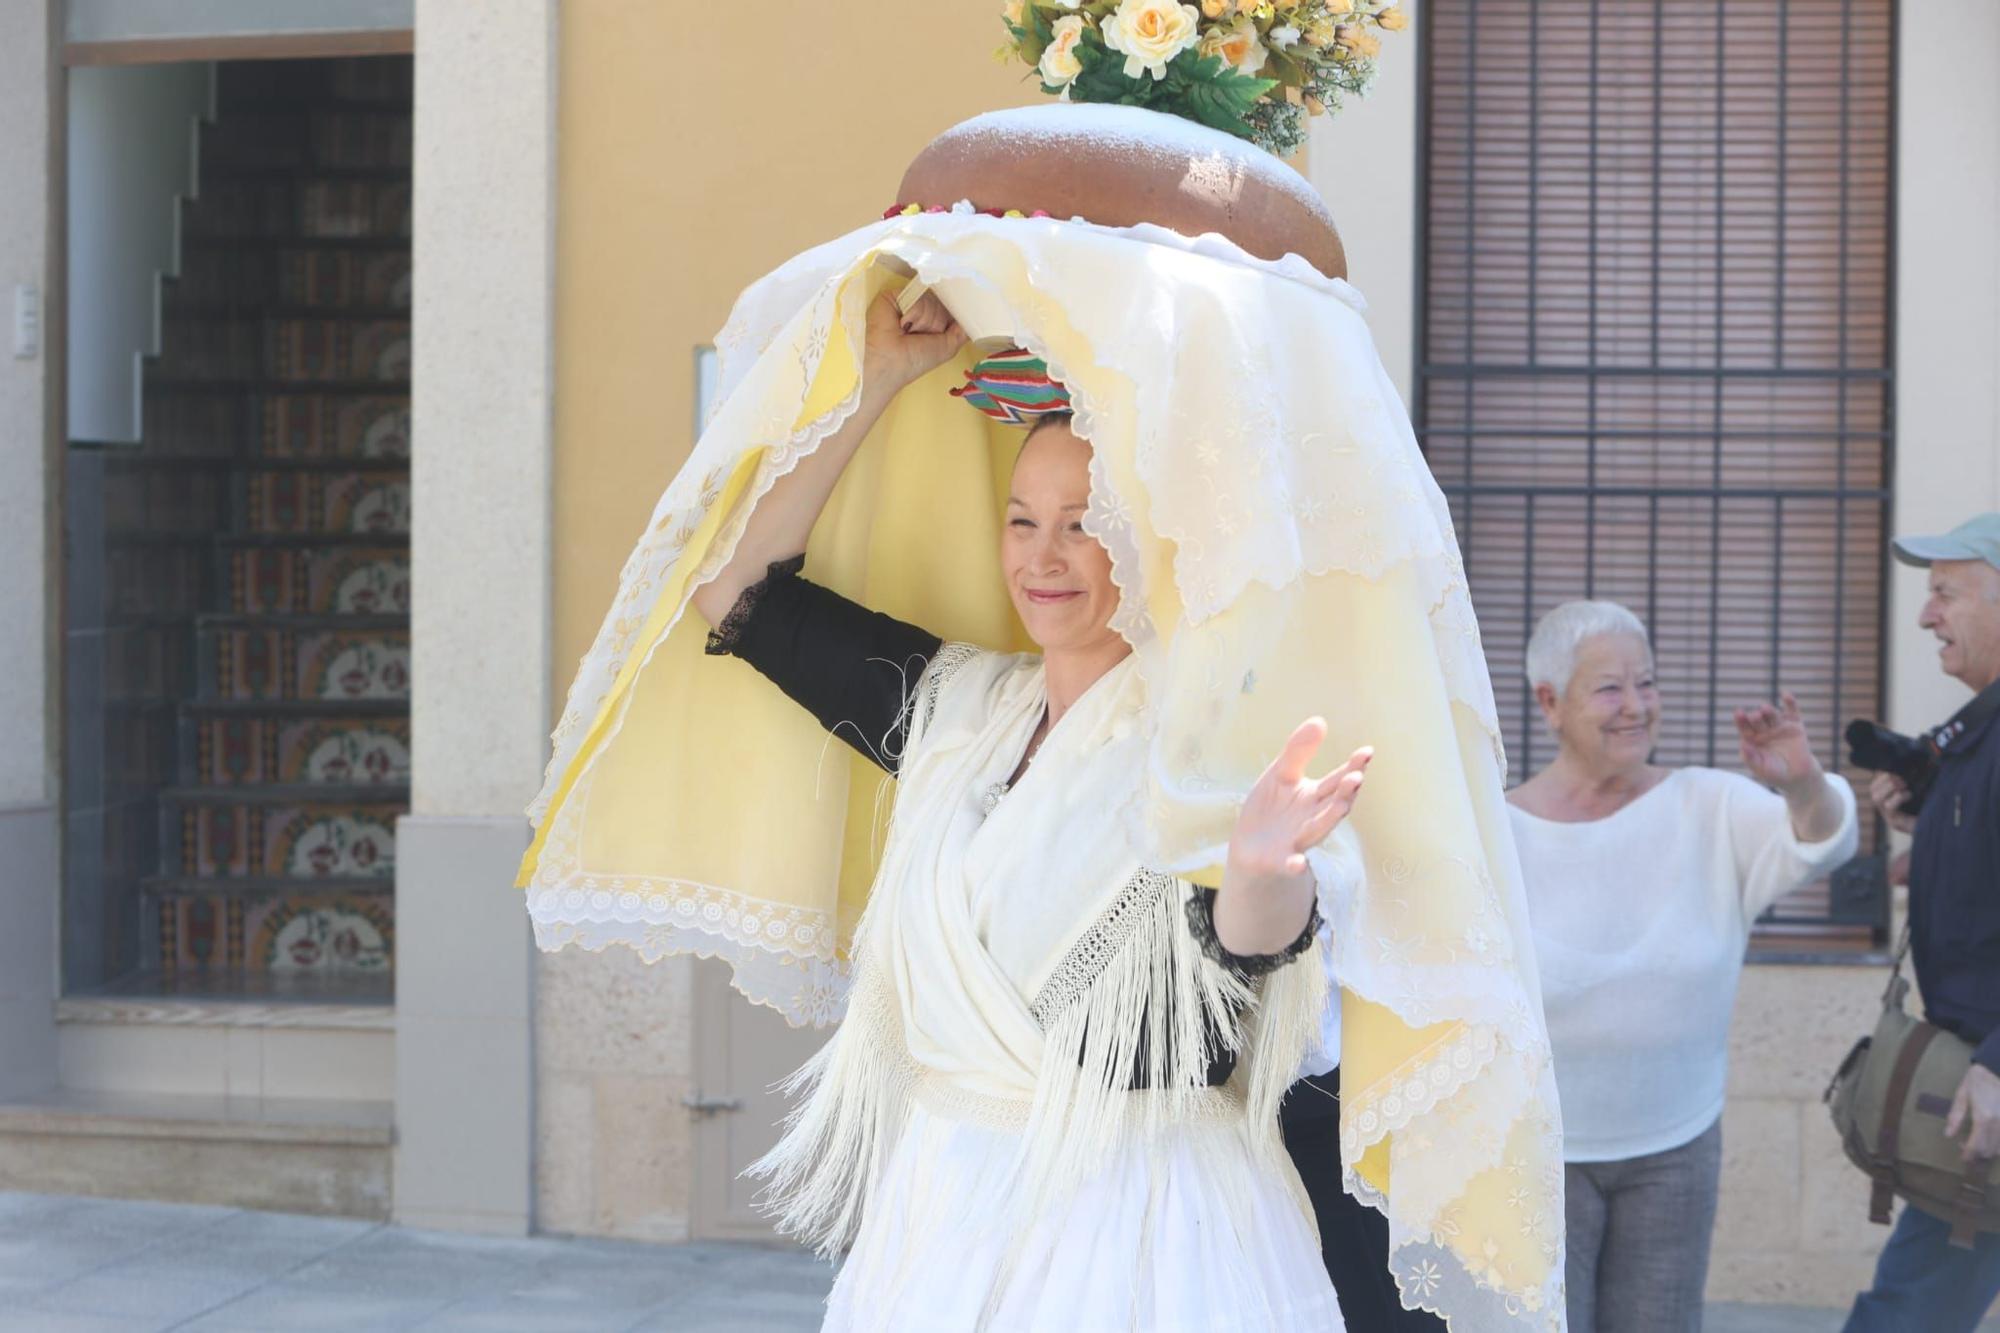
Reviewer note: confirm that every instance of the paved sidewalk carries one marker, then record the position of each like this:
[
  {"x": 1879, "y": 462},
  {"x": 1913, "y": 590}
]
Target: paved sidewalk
[{"x": 98, "y": 1266}]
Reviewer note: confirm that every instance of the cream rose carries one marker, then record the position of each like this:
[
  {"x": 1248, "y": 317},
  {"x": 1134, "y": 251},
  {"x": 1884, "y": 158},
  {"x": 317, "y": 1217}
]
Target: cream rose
[
  {"x": 1059, "y": 64},
  {"x": 1150, "y": 33},
  {"x": 1238, "y": 46}
]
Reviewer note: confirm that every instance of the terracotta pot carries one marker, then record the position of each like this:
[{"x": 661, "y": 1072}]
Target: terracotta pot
[{"x": 1120, "y": 166}]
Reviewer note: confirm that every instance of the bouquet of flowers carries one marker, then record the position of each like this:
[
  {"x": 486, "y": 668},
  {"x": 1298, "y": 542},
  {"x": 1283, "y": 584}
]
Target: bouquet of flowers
[{"x": 1254, "y": 69}]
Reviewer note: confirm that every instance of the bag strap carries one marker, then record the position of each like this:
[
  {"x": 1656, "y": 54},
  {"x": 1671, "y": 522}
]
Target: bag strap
[
  {"x": 1900, "y": 1079},
  {"x": 1971, "y": 1202},
  {"x": 1899, "y": 986}
]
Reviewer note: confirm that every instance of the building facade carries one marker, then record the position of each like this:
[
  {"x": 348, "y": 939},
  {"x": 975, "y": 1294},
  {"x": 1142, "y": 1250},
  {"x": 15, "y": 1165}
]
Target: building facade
[{"x": 511, "y": 229}]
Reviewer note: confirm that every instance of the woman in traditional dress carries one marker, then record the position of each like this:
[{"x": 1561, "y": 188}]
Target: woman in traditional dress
[
  {"x": 1643, "y": 883},
  {"x": 1023, "y": 1123},
  {"x": 1051, "y": 1102}
]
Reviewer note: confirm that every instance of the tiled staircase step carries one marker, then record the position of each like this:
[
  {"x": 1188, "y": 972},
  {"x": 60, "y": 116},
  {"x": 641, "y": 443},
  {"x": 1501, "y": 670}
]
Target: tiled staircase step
[
  {"x": 265, "y": 886},
  {"x": 272, "y": 925},
  {"x": 318, "y": 575},
  {"x": 310, "y": 278},
  {"x": 315, "y": 425},
  {"x": 310, "y": 137},
  {"x": 349, "y": 244},
  {"x": 272, "y": 663},
  {"x": 227, "y": 463},
  {"x": 306, "y": 205},
  {"x": 297, "y": 748},
  {"x": 283, "y": 500},
  {"x": 287, "y": 708},
  {"x": 294, "y": 830},
  {"x": 281, "y": 794},
  {"x": 321, "y": 348}
]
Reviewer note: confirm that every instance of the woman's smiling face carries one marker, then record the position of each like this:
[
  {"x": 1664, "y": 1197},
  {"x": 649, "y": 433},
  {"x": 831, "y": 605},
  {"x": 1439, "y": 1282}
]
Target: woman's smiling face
[
  {"x": 1609, "y": 713},
  {"x": 1058, "y": 575}
]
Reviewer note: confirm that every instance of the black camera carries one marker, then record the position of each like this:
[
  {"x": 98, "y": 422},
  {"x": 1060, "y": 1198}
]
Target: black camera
[{"x": 1914, "y": 759}]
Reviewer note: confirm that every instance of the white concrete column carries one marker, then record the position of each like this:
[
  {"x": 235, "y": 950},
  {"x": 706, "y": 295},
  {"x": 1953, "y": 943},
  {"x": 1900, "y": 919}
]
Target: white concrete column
[
  {"x": 30, "y": 565},
  {"x": 1364, "y": 162},
  {"x": 1947, "y": 314},
  {"x": 481, "y": 560}
]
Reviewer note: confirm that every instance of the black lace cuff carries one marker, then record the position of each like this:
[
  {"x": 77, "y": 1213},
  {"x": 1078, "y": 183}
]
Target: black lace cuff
[
  {"x": 1201, "y": 921},
  {"x": 722, "y": 640}
]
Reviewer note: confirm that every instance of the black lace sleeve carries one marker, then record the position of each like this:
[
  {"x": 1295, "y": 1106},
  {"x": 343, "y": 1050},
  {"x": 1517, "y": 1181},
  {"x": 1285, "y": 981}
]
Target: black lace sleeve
[
  {"x": 853, "y": 669},
  {"x": 1201, "y": 922}
]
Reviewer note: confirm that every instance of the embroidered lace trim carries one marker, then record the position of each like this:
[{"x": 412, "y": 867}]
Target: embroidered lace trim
[
  {"x": 722, "y": 640},
  {"x": 1201, "y": 923},
  {"x": 947, "y": 662},
  {"x": 1087, "y": 958}
]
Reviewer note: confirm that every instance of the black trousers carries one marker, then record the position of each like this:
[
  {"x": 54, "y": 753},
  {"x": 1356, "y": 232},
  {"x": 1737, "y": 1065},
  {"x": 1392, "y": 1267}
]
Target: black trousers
[{"x": 1353, "y": 1238}]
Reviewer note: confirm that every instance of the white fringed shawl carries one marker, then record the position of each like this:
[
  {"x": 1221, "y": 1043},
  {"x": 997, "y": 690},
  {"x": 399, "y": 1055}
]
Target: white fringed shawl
[{"x": 1016, "y": 967}]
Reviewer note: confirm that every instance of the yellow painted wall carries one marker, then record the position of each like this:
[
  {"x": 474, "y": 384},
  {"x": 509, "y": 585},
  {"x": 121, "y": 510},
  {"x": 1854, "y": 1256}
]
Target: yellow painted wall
[{"x": 695, "y": 156}]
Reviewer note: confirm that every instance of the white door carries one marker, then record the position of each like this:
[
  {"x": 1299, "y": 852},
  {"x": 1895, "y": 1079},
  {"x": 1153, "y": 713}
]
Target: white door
[{"x": 741, "y": 1050}]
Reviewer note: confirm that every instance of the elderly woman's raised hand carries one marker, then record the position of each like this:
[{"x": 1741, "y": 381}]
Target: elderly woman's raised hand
[
  {"x": 1775, "y": 747},
  {"x": 1287, "y": 814},
  {"x": 902, "y": 348}
]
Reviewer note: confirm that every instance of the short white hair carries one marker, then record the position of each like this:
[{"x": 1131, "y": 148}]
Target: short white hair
[{"x": 1552, "y": 647}]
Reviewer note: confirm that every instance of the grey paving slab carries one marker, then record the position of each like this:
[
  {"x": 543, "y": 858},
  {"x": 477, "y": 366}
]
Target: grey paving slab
[
  {"x": 276, "y": 1307},
  {"x": 43, "y": 1321},
  {"x": 100, "y": 1266}
]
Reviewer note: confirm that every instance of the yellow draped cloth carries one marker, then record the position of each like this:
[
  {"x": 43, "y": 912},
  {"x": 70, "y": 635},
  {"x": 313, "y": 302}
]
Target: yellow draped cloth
[{"x": 1280, "y": 550}]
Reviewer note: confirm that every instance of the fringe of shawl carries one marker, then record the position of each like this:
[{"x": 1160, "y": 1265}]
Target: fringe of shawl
[{"x": 851, "y": 1101}]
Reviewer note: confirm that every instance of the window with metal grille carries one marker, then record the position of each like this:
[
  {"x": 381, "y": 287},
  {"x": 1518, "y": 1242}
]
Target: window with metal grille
[{"x": 1655, "y": 355}]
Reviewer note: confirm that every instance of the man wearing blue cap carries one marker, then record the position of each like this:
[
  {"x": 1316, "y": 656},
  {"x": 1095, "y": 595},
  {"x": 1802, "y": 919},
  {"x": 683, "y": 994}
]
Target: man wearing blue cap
[{"x": 1921, "y": 1280}]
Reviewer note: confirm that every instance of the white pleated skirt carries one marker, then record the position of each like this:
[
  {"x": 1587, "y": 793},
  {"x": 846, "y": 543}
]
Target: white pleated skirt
[{"x": 1192, "y": 1236}]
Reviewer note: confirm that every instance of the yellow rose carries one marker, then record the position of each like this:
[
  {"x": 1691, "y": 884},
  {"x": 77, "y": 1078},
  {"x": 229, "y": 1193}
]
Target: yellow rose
[
  {"x": 1215, "y": 9},
  {"x": 1059, "y": 63},
  {"x": 1367, "y": 45},
  {"x": 1320, "y": 34},
  {"x": 1238, "y": 46},
  {"x": 1347, "y": 34},
  {"x": 1393, "y": 19},
  {"x": 1150, "y": 33}
]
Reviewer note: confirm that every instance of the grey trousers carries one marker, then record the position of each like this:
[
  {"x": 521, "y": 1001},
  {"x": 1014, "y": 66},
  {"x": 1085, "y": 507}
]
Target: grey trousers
[{"x": 1638, "y": 1238}]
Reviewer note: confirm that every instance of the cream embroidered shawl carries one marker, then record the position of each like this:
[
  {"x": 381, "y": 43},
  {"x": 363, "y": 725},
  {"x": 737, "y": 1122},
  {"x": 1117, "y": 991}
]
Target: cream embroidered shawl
[{"x": 1280, "y": 550}]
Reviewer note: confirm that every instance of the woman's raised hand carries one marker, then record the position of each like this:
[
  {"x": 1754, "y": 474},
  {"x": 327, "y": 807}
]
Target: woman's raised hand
[
  {"x": 1775, "y": 747},
  {"x": 902, "y": 348},
  {"x": 1287, "y": 814}
]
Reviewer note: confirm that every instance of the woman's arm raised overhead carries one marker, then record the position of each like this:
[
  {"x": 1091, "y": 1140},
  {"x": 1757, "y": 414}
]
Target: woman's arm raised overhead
[{"x": 900, "y": 348}]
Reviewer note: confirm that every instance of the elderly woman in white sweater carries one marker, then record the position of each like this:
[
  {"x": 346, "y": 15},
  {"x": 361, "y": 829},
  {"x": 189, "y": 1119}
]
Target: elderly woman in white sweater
[{"x": 1642, "y": 883}]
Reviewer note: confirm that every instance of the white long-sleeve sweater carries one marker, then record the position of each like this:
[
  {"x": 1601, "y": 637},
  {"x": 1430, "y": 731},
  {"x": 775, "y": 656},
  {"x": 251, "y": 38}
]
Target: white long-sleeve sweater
[{"x": 1641, "y": 920}]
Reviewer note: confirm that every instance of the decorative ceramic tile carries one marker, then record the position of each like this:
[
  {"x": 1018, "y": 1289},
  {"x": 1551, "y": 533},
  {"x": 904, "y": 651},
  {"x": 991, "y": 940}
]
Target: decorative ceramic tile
[
  {"x": 386, "y": 79},
  {"x": 342, "y": 502},
  {"x": 330, "y": 580},
  {"x": 348, "y": 208},
  {"x": 334, "y": 279},
  {"x": 235, "y": 751},
  {"x": 307, "y": 933},
  {"x": 336, "y": 426},
  {"x": 240, "y": 208},
  {"x": 276, "y": 663},
  {"x": 307, "y": 841},
  {"x": 361, "y": 139}
]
